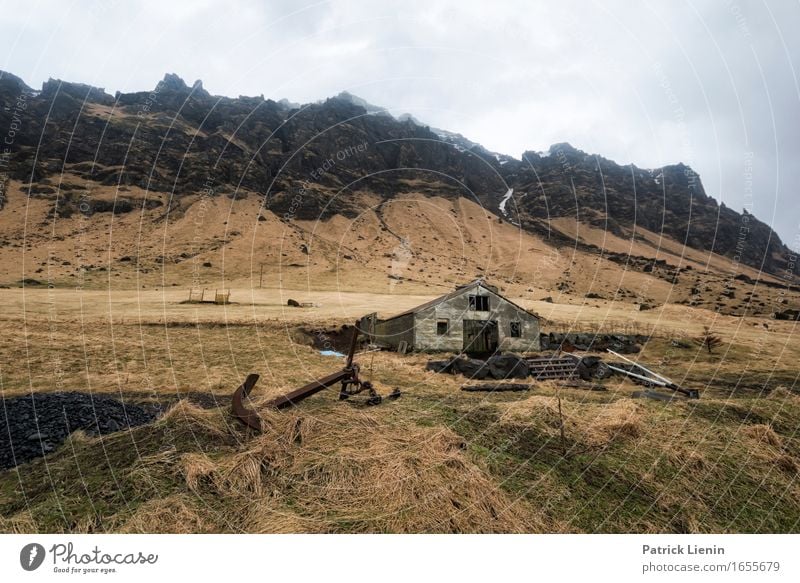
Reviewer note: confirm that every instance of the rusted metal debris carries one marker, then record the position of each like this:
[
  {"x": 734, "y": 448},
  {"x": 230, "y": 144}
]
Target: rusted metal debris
[
  {"x": 245, "y": 415},
  {"x": 351, "y": 384}
]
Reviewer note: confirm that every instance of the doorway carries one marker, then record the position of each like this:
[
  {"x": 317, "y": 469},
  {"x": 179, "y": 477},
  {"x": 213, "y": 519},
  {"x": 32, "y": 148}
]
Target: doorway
[{"x": 480, "y": 336}]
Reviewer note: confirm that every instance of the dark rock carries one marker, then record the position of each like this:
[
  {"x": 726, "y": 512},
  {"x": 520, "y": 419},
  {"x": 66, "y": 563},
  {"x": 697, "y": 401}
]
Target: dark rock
[
  {"x": 584, "y": 371},
  {"x": 439, "y": 365},
  {"x": 789, "y": 314},
  {"x": 626, "y": 348},
  {"x": 601, "y": 371},
  {"x": 507, "y": 366},
  {"x": 472, "y": 368}
]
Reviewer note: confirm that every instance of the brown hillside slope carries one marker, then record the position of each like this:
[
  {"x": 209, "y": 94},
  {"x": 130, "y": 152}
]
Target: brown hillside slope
[{"x": 412, "y": 243}]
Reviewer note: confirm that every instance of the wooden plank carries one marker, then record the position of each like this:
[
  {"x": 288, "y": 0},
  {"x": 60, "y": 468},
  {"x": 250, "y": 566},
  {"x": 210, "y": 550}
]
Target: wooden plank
[
  {"x": 583, "y": 386},
  {"x": 490, "y": 387}
]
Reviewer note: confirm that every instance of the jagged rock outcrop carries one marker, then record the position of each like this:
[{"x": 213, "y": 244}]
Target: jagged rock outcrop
[{"x": 313, "y": 161}]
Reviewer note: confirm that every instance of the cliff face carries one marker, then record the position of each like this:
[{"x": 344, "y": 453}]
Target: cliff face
[
  {"x": 669, "y": 200},
  {"x": 314, "y": 161}
]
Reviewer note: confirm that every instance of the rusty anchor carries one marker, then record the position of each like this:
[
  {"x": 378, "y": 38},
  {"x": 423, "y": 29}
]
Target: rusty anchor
[{"x": 351, "y": 384}]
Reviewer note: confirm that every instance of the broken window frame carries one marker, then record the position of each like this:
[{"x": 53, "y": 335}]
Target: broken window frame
[
  {"x": 446, "y": 323},
  {"x": 479, "y": 303},
  {"x": 515, "y": 329}
]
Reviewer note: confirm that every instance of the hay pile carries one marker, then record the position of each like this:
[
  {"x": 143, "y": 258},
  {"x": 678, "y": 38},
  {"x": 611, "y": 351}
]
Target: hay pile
[
  {"x": 784, "y": 394},
  {"x": 762, "y": 434},
  {"x": 355, "y": 474},
  {"x": 175, "y": 514},
  {"x": 20, "y": 523},
  {"x": 621, "y": 419}
]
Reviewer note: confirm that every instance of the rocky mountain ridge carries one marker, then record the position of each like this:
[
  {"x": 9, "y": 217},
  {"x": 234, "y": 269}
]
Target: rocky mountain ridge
[{"x": 315, "y": 161}]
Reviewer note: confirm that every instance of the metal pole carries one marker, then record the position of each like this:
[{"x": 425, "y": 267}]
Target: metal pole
[
  {"x": 636, "y": 364},
  {"x": 353, "y": 343}
]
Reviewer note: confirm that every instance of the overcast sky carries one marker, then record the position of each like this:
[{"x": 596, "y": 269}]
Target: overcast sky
[{"x": 710, "y": 84}]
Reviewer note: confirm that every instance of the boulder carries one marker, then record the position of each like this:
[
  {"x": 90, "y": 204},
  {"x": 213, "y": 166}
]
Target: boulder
[
  {"x": 508, "y": 366},
  {"x": 471, "y": 367},
  {"x": 439, "y": 365},
  {"x": 626, "y": 348}
]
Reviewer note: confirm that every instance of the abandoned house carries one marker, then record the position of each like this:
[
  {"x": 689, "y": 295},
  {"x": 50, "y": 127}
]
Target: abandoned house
[{"x": 474, "y": 318}]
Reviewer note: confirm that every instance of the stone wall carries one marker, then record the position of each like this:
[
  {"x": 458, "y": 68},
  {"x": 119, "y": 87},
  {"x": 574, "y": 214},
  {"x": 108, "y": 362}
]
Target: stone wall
[{"x": 457, "y": 309}]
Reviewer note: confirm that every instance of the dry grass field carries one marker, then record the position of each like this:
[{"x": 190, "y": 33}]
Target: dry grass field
[
  {"x": 435, "y": 460},
  {"x": 99, "y": 306}
]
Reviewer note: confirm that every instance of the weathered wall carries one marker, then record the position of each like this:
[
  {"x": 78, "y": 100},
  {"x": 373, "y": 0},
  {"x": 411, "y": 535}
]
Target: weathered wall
[
  {"x": 392, "y": 332},
  {"x": 457, "y": 309},
  {"x": 529, "y": 339},
  {"x": 426, "y": 336}
]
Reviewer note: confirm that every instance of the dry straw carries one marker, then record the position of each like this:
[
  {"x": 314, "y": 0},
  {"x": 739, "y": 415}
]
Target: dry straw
[{"x": 305, "y": 474}]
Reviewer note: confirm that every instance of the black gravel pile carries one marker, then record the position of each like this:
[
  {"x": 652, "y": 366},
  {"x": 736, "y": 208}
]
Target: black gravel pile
[{"x": 36, "y": 424}]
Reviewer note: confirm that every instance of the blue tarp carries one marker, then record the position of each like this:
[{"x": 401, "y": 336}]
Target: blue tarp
[{"x": 331, "y": 353}]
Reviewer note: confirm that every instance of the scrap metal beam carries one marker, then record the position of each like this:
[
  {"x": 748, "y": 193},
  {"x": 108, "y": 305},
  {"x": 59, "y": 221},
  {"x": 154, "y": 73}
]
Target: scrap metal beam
[
  {"x": 348, "y": 376},
  {"x": 247, "y": 416},
  {"x": 311, "y": 388}
]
